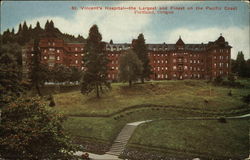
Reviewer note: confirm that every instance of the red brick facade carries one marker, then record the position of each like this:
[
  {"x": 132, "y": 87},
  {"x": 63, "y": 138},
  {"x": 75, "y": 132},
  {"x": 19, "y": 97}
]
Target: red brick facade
[{"x": 168, "y": 61}]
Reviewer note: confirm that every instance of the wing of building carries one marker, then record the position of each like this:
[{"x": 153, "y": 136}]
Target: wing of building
[{"x": 168, "y": 61}]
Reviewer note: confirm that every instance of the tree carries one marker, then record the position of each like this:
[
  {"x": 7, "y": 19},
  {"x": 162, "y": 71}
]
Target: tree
[
  {"x": 39, "y": 71},
  {"x": 240, "y": 65},
  {"x": 30, "y": 131},
  {"x": 95, "y": 64},
  {"x": 61, "y": 73},
  {"x": 10, "y": 82},
  {"x": 248, "y": 68},
  {"x": 140, "y": 49},
  {"x": 75, "y": 74},
  {"x": 130, "y": 67}
]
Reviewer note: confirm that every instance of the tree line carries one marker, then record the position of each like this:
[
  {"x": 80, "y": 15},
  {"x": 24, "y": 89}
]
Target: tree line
[{"x": 26, "y": 34}]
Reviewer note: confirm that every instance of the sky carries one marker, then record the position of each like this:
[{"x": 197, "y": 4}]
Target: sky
[{"x": 194, "y": 26}]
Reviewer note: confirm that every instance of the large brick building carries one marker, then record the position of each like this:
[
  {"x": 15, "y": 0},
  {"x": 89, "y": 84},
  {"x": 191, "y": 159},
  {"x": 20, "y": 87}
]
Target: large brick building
[{"x": 168, "y": 61}]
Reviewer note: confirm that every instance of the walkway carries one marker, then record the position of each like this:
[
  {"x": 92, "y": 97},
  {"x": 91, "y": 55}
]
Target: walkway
[
  {"x": 119, "y": 144},
  {"x": 122, "y": 139}
]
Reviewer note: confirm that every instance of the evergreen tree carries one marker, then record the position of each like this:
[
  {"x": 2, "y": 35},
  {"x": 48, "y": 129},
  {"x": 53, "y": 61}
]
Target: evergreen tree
[
  {"x": 10, "y": 82},
  {"x": 39, "y": 71},
  {"x": 20, "y": 29},
  {"x": 95, "y": 64},
  {"x": 240, "y": 65},
  {"x": 130, "y": 67},
  {"x": 140, "y": 49},
  {"x": 111, "y": 41}
]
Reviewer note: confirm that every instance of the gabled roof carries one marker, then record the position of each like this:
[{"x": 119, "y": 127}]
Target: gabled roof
[{"x": 180, "y": 42}]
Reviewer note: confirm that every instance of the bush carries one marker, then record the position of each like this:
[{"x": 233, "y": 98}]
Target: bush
[
  {"x": 52, "y": 101},
  {"x": 222, "y": 120},
  {"x": 246, "y": 99},
  {"x": 218, "y": 80},
  {"x": 230, "y": 93},
  {"x": 30, "y": 131}
]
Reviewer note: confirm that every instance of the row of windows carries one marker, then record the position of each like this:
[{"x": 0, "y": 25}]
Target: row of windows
[
  {"x": 117, "y": 49},
  {"x": 221, "y": 57},
  {"x": 162, "y": 76},
  {"x": 114, "y": 68},
  {"x": 175, "y": 54},
  {"x": 220, "y": 73},
  {"x": 221, "y": 65},
  {"x": 221, "y": 50},
  {"x": 179, "y": 68}
]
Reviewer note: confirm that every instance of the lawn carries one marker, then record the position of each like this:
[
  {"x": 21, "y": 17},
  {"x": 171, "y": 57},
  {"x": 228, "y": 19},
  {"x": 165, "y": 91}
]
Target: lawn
[
  {"x": 187, "y": 93},
  {"x": 209, "y": 138},
  {"x": 98, "y": 121}
]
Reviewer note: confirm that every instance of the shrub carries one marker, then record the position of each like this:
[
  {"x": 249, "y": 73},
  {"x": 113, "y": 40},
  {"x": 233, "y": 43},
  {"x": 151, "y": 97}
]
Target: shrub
[
  {"x": 246, "y": 99},
  {"x": 230, "y": 93},
  {"x": 30, "y": 131},
  {"x": 52, "y": 101},
  {"x": 222, "y": 120}
]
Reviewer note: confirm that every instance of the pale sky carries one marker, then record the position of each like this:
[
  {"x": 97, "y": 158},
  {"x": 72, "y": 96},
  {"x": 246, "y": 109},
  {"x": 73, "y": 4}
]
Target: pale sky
[{"x": 194, "y": 26}]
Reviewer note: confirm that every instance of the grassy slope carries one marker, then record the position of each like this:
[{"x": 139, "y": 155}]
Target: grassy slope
[
  {"x": 206, "y": 137},
  {"x": 179, "y": 93}
]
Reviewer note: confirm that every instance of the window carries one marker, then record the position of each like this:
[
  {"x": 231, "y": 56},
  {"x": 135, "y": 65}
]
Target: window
[
  {"x": 158, "y": 68},
  {"x": 191, "y": 61},
  {"x": 174, "y": 60},
  {"x": 51, "y": 57},
  {"x": 158, "y": 76},
  {"x": 58, "y": 51},
  {"x": 185, "y": 60},
  {"x": 214, "y": 57},
  {"x": 44, "y": 57},
  {"x": 174, "y": 75},
  {"x": 58, "y": 58},
  {"x": 174, "y": 67},
  {"x": 227, "y": 65},
  {"x": 198, "y": 61},
  {"x": 185, "y": 67},
  {"x": 116, "y": 68},
  {"x": 162, "y": 61},
  {"x": 191, "y": 68},
  {"x": 166, "y": 68},
  {"x": 162, "y": 68},
  {"x": 81, "y": 49},
  {"x": 76, "y": 49},
  {"x": 49, "y": 43},
  {"x": 76, "y": 61},
  {"x": 53, "y": 43},
  {"x": 76, "y": 55},
  {"x": 214, "y": 65},
  {"x": 166, "y": 76},
  {"x": 82, "y": 62},
  {"x": 194, "y": 61},
  {"x": 108, "y": 75},
  {"x": 158, "y": 61},
  {"x": 45, "y": 51},
  {"x": 166, "y": 61},
  {"x": 51, "y": 49},
  {"x": 82, "y": 55}
]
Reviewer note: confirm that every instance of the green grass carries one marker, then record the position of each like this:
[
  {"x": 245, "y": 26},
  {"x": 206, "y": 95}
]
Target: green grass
[
  {"x": 187, "y": 93},
  {"x": 209, "y": 137},
  {"x": 106, "y": 129}
]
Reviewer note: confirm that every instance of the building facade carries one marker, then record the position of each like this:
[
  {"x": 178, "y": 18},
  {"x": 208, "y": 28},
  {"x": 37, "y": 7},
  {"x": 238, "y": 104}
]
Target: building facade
[{"x": 168, "y": 61}]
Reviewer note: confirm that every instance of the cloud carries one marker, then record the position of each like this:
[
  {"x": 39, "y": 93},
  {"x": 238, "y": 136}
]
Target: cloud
[
  {"x": 123, "y": 26},
  {"x": 237, "y": 37}
]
